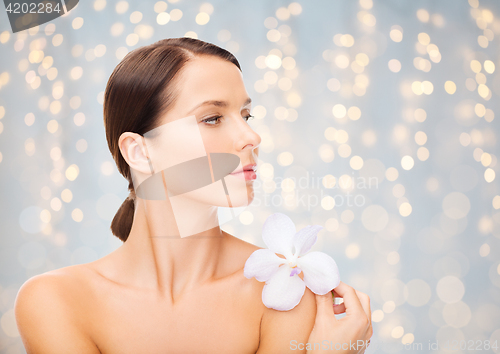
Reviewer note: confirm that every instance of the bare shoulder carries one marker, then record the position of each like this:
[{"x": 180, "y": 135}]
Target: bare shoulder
[
  {"x": 46, "y": 286},
  {"x": 65, "y": 283},
  {"x": 283, "y": 331},
  {"x": 279, "y": 329},
  {"x": 49, "y": 314}
]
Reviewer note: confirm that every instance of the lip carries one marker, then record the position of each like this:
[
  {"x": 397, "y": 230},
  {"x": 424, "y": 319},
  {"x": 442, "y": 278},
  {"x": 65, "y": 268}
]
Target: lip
[
  {"x": 247, "y": 171},
  {"x": 249, "y": 167}
]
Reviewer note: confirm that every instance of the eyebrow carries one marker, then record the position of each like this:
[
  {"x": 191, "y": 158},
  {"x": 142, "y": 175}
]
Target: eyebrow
[{"x": 218, "y": 104}]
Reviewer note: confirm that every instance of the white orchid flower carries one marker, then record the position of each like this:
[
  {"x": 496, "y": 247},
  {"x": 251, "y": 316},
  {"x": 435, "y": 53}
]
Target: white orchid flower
[{"x": 284, "y": 288}]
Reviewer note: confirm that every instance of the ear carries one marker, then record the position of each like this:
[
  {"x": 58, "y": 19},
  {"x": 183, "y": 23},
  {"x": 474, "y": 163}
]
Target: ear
[{"x": 134, "y": 151}]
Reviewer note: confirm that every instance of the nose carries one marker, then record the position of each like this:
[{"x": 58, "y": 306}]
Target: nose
[{"x": 246, "y": 138}]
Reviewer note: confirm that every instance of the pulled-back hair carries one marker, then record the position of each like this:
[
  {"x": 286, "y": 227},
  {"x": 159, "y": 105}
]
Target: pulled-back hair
[{"x": 140, "y": 90}]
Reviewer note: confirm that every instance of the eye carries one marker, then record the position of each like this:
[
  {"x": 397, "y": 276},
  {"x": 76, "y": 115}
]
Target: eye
[
  {"x": 248, "y": 117},
  {"x": 212, "y": 120}
]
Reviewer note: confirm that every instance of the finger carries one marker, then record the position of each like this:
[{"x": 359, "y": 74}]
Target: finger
[
  {"x": 365, "y": 303},
  {"x": 324, "y": 306},
  {"x": 351, "y": 300},
  {"x": 339, "y": 308}
]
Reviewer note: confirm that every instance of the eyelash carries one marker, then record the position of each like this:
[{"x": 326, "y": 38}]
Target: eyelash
[{"x": 216, "y": 118}]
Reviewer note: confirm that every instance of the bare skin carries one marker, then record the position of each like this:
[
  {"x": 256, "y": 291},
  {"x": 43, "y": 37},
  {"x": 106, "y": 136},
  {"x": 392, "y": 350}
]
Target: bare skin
[
  {"x": 349, "y": 335},
  {"x": 180, "y": 295},
  {"x": 168, "y": 295},
  {"x": 91, "y": 307}
]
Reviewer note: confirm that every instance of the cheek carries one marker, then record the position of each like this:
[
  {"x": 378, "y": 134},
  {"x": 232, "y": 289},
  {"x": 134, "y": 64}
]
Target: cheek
[{"x": 217, "y": 140}]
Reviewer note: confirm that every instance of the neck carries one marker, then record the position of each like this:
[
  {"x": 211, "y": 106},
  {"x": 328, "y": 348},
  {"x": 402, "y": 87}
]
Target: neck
[{"x": 158, "y": 258}]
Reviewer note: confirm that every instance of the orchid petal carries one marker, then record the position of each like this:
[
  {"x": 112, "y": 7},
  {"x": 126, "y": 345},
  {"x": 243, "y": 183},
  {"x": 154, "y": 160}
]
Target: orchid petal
[
  {"x": 321, "y": 273},
  {"x": 283, "y": 292},
  {"x": 277, "y": 233},
  {"x": 305, "y": 239},
  {"x": 262, "y": 264}
]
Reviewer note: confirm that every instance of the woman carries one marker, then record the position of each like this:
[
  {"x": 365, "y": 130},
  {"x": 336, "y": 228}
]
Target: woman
[{"x": 174, "y": 110}]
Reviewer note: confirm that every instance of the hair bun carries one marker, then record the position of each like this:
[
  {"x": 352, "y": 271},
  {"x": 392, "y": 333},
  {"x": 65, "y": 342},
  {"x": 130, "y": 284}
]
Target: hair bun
[{"x": 122, "y": 221}]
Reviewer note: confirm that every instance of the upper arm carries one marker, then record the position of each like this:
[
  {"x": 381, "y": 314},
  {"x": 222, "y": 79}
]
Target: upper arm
[
  {"x": 288, "y": 331},
  {"x": 46, "y": 320}
]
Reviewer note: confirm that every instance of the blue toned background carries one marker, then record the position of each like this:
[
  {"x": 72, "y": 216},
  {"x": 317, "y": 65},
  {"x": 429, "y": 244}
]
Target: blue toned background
[{"x": 399, "y": 94}]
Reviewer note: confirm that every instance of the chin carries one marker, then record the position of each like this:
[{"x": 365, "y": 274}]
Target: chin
[{"x": 239, "y": 198}]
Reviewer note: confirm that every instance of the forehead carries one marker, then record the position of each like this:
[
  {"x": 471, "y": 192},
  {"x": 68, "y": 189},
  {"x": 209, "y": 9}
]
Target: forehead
[{"x": 209, "y": 78}]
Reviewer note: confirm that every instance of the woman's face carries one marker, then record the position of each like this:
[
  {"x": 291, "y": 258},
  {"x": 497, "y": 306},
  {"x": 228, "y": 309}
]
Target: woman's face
[{"x": 207, "y": 123}]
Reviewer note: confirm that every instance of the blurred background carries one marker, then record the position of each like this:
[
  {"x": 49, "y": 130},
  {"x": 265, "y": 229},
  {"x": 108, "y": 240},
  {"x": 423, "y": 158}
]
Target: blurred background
[{"x": 377, "y": 121}]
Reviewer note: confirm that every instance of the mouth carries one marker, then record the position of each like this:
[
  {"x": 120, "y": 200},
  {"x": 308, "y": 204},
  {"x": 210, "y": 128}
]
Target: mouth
[{"x": 247, "y": 172}]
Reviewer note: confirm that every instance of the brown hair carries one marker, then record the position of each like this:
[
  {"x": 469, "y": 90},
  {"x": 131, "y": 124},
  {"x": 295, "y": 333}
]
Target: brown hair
[{"x": 138, "y": 93}]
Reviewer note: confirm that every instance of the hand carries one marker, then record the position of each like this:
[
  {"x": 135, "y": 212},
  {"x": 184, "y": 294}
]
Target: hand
[{"x": 351, "y": 333}]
